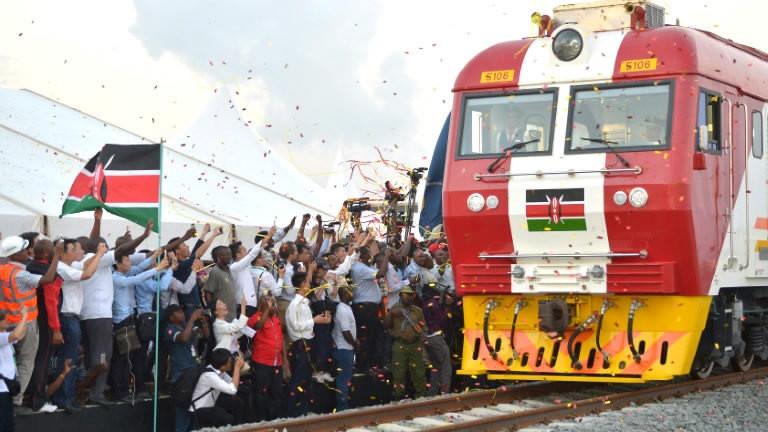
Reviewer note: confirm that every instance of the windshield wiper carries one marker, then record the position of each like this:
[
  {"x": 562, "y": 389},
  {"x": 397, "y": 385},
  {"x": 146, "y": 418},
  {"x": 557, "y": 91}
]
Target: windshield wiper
[
  {"x": 607, "y": 144},
  {"x": 505, "y": 153}
]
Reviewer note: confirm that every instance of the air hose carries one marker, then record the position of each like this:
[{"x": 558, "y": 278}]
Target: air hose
[
  {"x": 486, "y": 318},
  {"x": 606, "y": 356},
  {"x": 575, "y": 363},
  {"x": 630, "y": 323},
  {"x": 518, "y": 307}
]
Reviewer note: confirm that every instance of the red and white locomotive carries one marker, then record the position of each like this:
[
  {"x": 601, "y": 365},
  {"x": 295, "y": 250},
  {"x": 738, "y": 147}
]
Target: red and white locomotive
[{"x": 605, "y": 200}]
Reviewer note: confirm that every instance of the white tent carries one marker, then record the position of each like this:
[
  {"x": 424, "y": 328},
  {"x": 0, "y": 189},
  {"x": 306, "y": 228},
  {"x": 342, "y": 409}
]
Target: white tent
[{"x": 44, "y": 144}]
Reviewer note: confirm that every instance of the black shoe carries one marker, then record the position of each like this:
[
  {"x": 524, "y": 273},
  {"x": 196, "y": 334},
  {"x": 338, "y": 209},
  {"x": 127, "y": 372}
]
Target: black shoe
[
  {"x": 101, "y": 402},
  {"x": 71, "y": 409},
  {"x": 143, "y": 396}
]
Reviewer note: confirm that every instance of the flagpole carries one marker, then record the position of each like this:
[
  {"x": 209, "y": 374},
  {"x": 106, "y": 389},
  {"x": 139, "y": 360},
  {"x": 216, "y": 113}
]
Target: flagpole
[{"x": 157, "y": 294}]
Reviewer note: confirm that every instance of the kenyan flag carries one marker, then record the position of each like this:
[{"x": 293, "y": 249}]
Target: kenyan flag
[
  {"x": 555, "y": 210},
  {"x": 122, "y": 179}
]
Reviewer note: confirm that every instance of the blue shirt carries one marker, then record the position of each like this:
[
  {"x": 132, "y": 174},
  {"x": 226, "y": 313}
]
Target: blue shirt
[
  {"x": 182, "y": 353},
  {"x": 123, "y": 302},
  {"x": 145, "y": 292},
  {"x": 366, "y": 289},
  {"x": 426, "y": 276}
]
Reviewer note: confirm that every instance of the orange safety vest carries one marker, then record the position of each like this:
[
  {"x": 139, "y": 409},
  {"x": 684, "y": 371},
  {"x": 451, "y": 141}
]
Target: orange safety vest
[{"x": 11, "y": 299}]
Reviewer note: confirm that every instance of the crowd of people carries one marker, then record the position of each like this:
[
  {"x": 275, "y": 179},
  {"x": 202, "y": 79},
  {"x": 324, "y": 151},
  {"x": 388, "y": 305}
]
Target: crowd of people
[{"x": 256, "y": 334}]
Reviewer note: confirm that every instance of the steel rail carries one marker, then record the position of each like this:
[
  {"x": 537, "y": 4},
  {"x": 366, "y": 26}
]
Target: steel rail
[
  {"x": 601, "y": 403},
  {"x": 418, "y": 408}
]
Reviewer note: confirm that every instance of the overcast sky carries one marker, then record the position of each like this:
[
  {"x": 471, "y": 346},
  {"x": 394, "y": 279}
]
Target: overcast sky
[{"x": 312, "y": 77}]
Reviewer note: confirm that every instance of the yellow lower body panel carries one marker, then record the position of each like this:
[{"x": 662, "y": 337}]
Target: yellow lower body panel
[{"x": 666, "y": 332}]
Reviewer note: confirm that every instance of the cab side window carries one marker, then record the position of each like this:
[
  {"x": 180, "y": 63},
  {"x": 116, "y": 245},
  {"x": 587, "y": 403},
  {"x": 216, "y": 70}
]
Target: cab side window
[
  {"x": 708, "y": 124},
  {"x": 757, "y": 134}
]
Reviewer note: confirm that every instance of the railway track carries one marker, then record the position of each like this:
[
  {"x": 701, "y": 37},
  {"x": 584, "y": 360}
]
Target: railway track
[{"x": 507, "y": 408}]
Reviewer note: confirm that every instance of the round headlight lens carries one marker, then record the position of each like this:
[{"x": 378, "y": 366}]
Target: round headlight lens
[
  {"x": 597, "y": 272},
  {"x": 475, "y": 202},
  {"x": 567, "y": 45},
  {"x": 492, "y": 202},
  {"x": 518, "y": 272},
  {"x": 620, "y": 198},
  {"x": 638, "y": 197}
]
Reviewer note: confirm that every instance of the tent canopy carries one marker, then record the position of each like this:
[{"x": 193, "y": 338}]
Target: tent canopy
[{"x": 214, "y": 172}]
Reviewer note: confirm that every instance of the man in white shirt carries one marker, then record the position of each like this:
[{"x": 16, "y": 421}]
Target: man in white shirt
[
  {"x": 263, "y": 280},
  {"x": 214, "y": 400},
  {"x": 300, "y": 323},
  {"x": 72, "y": 269},
  {"x": 96, "y": 313},
  {"x": 240, "y": 268},
  {"x": 345, "y": 338}
]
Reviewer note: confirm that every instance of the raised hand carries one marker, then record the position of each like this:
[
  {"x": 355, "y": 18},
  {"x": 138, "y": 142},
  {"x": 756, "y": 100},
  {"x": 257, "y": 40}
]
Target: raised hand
[
  {"x": 98, "y": 213},
  {"x": 148, "y": 228},
  {"x": 59, "y": 248},
  {"x": 190, "y": 232},
  {"x": 164, "y": 264},
  {"x": 196, "y": 315}
]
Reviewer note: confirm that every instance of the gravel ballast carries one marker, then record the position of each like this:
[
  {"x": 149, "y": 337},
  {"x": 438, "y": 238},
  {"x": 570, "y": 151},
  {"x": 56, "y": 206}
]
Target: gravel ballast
[{"x": 741, "y": 407}]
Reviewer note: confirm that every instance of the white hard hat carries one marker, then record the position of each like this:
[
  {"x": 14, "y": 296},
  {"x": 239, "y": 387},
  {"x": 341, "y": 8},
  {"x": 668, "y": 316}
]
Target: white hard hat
[{"x": 12, "y": 245}]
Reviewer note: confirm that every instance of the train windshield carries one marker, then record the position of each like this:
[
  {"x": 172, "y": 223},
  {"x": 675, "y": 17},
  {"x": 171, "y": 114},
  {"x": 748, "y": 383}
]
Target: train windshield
[
  {"x": 520, "y": 123},
  {"x": 626, "y": 118}
]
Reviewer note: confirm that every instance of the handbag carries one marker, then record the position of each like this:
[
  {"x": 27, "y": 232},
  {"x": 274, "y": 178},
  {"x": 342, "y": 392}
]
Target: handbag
[
  {"x": 147, "y": 326},
  {"x": 14, "y": 386},
  {"x": 127, "y": 339}
]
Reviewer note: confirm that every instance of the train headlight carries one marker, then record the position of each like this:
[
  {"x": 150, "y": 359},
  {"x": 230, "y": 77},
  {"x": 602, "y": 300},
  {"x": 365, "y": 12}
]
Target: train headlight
[
  {"x": 567, "y": 45},
  {"x": 620, "y": 198},
  {"x": 638, "y": 197},
  {"x": 518, "y": 272},
  {"x": 475, "y": 202},
  {"x": 492, "y": 201}
]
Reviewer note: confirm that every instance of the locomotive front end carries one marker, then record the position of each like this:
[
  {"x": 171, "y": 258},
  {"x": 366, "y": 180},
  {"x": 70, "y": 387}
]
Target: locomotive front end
[{"x": 568, "y": 208}]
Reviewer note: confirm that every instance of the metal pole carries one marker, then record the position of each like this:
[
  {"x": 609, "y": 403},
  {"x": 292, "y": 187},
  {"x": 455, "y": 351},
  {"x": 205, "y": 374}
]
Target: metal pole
[{"x": 157, "y": 297}]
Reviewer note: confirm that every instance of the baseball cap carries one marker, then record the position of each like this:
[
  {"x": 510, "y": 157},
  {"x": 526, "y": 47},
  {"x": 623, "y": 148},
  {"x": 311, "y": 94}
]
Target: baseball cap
[{"x": 12, "y": 245}]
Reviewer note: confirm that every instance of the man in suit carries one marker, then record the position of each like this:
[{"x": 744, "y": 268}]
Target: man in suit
[{"x": 512, "y": 130}]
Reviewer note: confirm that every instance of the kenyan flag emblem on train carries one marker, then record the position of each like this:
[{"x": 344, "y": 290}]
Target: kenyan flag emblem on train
[
  {"x": 555, "y": 210},
  {"x": 123, "y": 180}
]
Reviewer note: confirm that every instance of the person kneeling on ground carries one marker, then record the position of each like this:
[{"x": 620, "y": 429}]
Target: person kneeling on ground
[{"x": 215, "y": 401}]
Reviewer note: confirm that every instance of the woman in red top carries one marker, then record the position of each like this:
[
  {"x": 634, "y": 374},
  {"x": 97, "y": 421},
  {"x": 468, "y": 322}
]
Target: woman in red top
[{"x": 267, "y": 359}]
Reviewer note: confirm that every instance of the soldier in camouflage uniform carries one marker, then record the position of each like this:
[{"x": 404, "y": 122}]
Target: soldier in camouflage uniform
[{"x": 405, "y": 322}]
